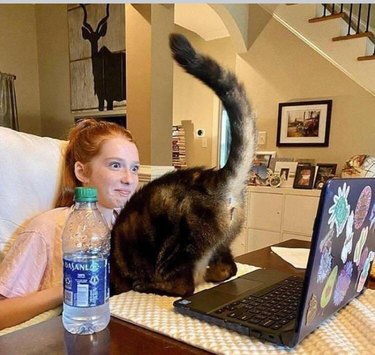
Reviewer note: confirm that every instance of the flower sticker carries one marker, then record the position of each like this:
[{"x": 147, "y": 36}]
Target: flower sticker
[
  {"x": 325, "y": 265},
  {"x": 362, "y": 207},
  {"x": 340, "y": 210},
  {"x": 363, "y": 277},
  {"x": 348, "y": 243},
  {"x": 343, "y": 283},
  {"x": 358, "y": 248}
]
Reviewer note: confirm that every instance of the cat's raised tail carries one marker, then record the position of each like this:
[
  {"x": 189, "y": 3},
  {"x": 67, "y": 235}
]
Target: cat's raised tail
[{"x": 234, "y": 99}]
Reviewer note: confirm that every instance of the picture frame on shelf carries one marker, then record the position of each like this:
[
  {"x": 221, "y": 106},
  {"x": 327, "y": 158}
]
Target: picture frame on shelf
[
  {"x": 264, "y": 157},
  {"x": 304, "y": 124},
  {"x": 304, "y": 178},
  {"x": 324, "y": 172},
  {"x": 286, "y": 170}
]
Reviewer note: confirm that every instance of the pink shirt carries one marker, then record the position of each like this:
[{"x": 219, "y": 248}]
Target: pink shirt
[{"x": 34, "y": 261}]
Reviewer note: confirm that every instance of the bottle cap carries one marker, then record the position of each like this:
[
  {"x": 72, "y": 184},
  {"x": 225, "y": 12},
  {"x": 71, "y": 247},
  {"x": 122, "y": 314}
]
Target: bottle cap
[{"x": 85, "y": 194}]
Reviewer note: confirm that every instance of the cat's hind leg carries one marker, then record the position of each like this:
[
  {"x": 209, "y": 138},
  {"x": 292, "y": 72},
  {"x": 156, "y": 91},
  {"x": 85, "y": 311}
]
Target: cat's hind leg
[
  {"x": 221, "y": 266},
  {"x": 180, "y": 285}
]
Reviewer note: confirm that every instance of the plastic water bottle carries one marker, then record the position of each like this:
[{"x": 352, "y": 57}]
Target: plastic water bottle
[{"x": 86, "y": 245}]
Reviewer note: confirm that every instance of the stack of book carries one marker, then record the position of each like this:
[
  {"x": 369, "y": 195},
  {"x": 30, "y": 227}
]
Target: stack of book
[{"x": 178, "y": 147}]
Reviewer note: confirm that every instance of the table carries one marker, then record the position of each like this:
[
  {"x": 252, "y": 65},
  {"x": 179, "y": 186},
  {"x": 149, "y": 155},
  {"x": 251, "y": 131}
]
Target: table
[{"x": 122, "y": 337}]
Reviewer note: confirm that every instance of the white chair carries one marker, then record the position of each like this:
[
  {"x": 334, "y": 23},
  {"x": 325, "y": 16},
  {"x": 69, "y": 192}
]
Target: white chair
[{"x": 30, "y": 177}]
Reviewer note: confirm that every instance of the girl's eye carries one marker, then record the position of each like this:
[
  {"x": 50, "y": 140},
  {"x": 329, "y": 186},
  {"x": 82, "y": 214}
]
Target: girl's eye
[
  {"x": 135, "y": 169},
  {"x": 115, "y": 165}
]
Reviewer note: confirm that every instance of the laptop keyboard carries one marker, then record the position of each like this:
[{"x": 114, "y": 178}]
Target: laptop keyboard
[{"x": 273, "y": 309}]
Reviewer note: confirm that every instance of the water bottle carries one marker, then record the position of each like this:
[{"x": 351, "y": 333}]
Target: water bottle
[{"x": 86, "y": 245}]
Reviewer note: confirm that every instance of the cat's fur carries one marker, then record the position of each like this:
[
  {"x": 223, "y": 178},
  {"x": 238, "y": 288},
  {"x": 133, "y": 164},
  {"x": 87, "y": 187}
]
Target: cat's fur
[{"x": 176, "y": 230}]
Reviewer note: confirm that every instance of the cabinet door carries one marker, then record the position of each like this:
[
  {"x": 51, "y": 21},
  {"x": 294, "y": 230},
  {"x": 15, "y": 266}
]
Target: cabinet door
[
  {"x": 264, "y": 211},
  {"x": 300, "y": 212},
  {"x": 239, "y": 245},
  {"x": 258, "y": 239}
]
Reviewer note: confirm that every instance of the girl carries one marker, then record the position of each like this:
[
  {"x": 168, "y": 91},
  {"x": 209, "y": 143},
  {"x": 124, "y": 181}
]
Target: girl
[{"x": 99, "y": 154}]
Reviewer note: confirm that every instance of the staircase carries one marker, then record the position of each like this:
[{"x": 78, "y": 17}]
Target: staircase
[{"x": 326, "y": 29}]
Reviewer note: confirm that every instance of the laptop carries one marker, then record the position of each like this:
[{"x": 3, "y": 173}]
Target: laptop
[{"x": 284, "y": 309}]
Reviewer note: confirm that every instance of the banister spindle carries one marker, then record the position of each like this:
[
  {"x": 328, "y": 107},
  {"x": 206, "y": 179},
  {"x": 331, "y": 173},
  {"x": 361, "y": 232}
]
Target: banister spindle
[
  {"x": 368, "y": 16},
  {"x": 359, "y": 17},
  {"x": 350, "y": 18}
]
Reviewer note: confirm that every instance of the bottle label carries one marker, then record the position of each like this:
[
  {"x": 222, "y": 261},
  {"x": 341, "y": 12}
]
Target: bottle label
[{"x": 86, "y": 283}]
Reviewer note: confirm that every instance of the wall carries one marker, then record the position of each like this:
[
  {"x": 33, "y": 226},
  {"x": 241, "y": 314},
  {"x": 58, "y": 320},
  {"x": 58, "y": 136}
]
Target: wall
[
  {"x": 279, "y": 68},
  {"x": 54, "y": 77},
  {"x": 19, "y": 56}
]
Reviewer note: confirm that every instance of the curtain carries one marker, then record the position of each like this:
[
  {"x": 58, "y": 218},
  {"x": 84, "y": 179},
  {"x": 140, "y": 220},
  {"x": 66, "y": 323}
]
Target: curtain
[{"x": 8, "y": 104}]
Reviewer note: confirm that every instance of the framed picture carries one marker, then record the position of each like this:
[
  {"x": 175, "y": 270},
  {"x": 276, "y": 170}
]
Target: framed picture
[
  {"x": 324, "y": 173},
  {"x": 286, "y": 170},
  {"x": 304, "y": 123},
  {"x": 304, "y": 178},
  {"x": 264, "y": 158}
]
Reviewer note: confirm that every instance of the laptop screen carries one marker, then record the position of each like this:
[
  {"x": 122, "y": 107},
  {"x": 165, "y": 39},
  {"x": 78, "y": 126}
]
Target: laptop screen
[{"x": 342, "y": 249}]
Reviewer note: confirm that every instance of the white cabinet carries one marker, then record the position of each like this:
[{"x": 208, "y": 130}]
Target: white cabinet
[{"x": 274, "y": 215}]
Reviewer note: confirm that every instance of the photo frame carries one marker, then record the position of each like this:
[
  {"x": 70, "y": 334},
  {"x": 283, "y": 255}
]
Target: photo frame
[
  {"x": 264, "y": 157},
  {"x": 286, "y": 170},
  {"x": 304, "y": 178},
  {"x": 304, "y": 124},
  {"x": 324, "y": 172}
]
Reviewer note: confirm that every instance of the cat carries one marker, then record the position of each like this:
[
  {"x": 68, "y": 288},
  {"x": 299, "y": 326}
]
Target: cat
[{"x": 175, "y": 231}]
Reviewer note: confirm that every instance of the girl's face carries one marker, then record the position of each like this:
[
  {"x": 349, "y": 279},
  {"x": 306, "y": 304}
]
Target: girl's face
[{"x": 114, "y": 172}]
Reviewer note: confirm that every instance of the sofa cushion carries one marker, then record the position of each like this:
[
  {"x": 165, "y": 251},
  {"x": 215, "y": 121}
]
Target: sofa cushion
[{"x": 30, "y": 177}]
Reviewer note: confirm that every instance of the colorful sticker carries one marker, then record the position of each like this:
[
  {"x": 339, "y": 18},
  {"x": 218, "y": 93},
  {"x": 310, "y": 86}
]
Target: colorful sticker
[
  {"x": 348, "y": 243},
  {"x": 362, "y": 207},
  {"x": 358, "y": 248},
  {"x": 325, "y": 265},
  {"x": 343, "y": 283},
  {"x": 326, "y": 242},
  {"x": 328, "y": 288},
  {"x": 312, "y": 309},
  {"x": 372, "y": 218},
  {"x": 363, "y": 259},
  {"x": 340, "y": 210},
  {"x": 365, "y": 271}
]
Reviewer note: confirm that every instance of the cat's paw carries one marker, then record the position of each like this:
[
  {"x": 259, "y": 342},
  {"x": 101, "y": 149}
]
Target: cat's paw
[
  {"x": 140, "y": 286},
  {"x": 220, "y": 272}
]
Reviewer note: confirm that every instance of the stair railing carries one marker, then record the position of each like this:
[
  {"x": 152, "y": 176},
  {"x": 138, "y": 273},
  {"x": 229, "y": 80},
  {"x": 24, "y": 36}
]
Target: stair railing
[{"x": 359, "y": 20}]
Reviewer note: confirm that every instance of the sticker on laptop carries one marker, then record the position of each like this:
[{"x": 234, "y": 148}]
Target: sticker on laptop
[
  {"x": 340, "y": 210},
  {"x": 360, "y": 244},
  {"x": 366, "y": 268},
  {"x": 325, "y": 265},
  {"x": 348, "y": 243},
  {"x": 372, "y": 218},
  {"x": 362, "y": 207},
  {"x": 328, "y": 288},
  {"x": 343, "y": 283},
  {"x": 311, "y": 310}
]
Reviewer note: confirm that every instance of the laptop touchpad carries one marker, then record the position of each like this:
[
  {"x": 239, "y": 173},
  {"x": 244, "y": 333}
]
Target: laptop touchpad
[{"x": 238, "y": 286}]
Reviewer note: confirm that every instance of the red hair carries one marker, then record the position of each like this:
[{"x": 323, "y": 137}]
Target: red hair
[{"x": 85, "y": 141}]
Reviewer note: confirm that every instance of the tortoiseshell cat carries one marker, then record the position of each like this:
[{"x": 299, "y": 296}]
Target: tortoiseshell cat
[{"x": 175, "y": 231}]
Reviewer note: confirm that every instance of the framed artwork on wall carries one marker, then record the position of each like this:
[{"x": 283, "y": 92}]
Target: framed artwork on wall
[
  {"x": 97, "y": 57},
  {"x": 304, "y": 123}
]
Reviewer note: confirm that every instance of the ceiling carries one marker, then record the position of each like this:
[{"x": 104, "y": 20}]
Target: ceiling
[{"x": 200, "y": 19}]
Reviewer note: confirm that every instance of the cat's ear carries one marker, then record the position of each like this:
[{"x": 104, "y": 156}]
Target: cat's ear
[{"x": 80, "y": 172}]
